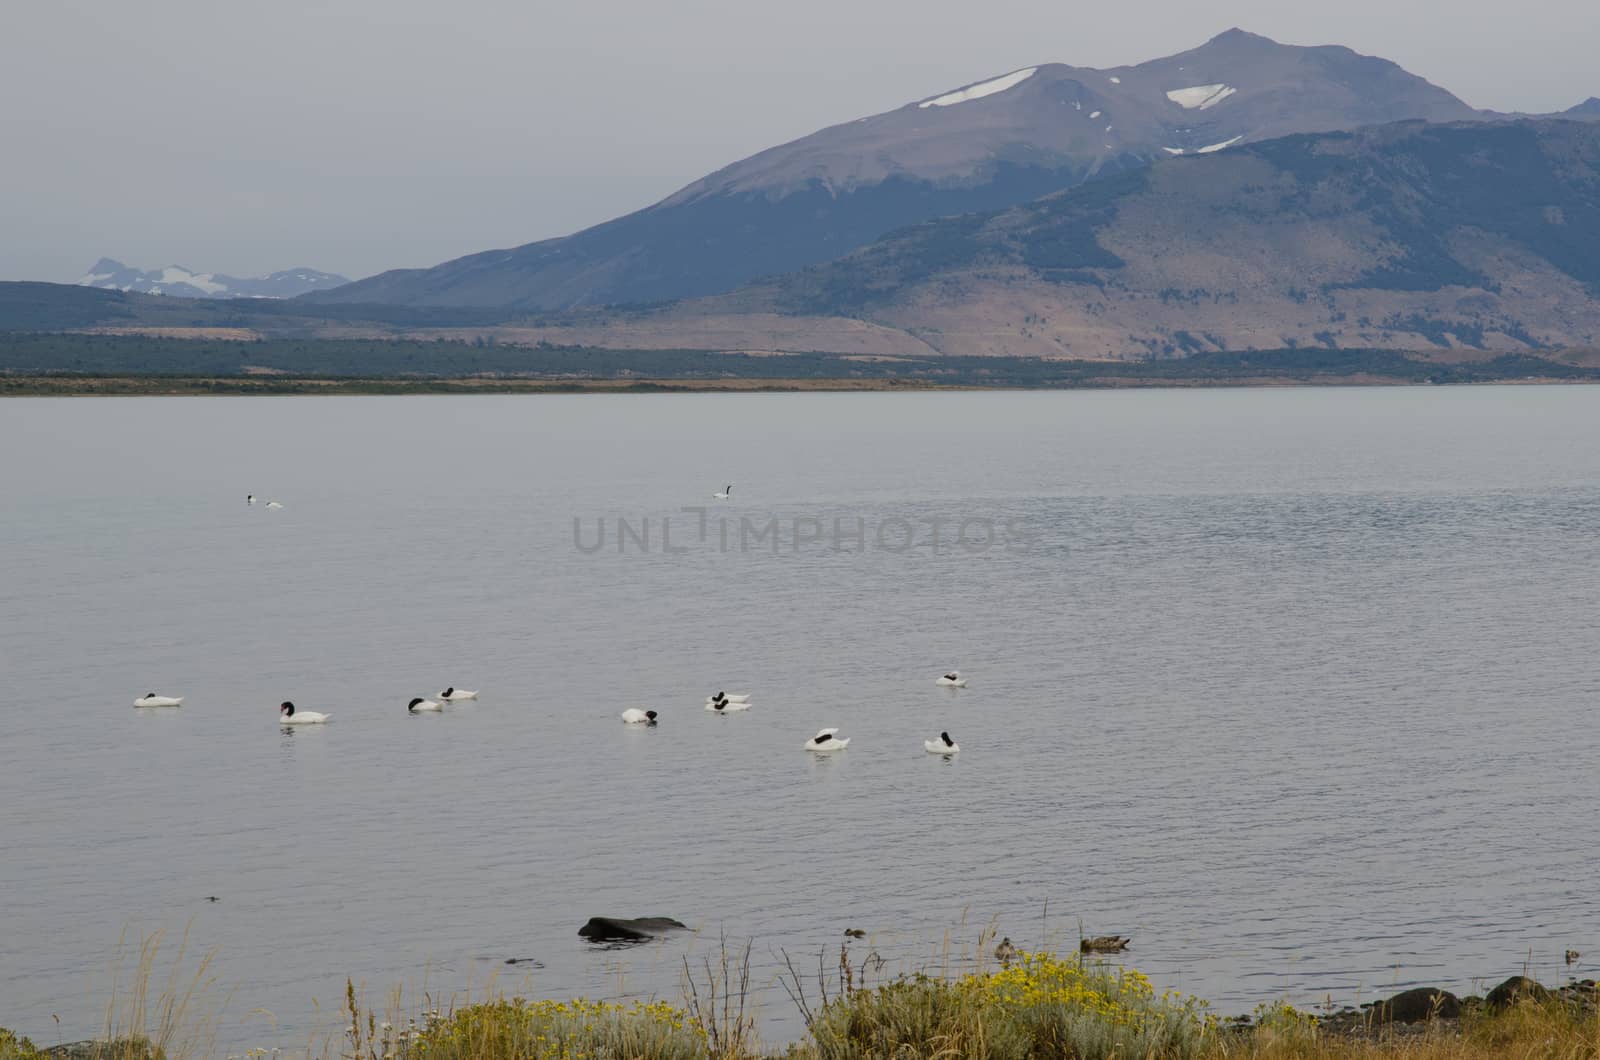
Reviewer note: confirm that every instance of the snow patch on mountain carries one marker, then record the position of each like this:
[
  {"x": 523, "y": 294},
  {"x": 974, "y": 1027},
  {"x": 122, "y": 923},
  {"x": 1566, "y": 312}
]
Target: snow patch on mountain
[
  {"x": 1217, "y": 147},
  {"x": 978, "y": 91},
  {"x": 172, "y": 275},
  {"x": 1200, "y": 97}
]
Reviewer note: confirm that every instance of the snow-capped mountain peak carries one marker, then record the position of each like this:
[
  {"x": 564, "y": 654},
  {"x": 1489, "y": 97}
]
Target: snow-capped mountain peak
[{"x": 112, "y": 275}]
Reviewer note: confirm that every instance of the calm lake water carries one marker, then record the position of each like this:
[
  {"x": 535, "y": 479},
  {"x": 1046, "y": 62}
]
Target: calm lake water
[{"x": 1296, "y": 687}]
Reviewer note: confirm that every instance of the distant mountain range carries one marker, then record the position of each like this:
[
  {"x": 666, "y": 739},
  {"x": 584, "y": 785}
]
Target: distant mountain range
[
  {"x": 990, "y": 145},
  {"x": 1241, "y": 196},
  {"x": 174, "y": 280}
]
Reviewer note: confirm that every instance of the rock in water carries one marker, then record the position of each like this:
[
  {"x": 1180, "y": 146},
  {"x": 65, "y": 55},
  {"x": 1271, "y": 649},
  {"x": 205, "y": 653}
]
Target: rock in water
[
  {"x": 1418, "y": 1006},
  {"x": 606, "y": 928}
]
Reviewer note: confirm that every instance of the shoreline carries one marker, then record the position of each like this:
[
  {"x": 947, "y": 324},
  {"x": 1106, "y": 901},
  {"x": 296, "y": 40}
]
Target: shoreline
[
  {"x": 378, "y": 386},
  {"x": 1484, "y": 1024}
]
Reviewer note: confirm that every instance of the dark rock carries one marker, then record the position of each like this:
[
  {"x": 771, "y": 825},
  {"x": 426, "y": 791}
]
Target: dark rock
[
  {"x": 1517, "y": 988},
  {"x": 1418, "y": 1005},
  {"x": 118, "y": 1048},
  {"x": 605, "y": 928}
]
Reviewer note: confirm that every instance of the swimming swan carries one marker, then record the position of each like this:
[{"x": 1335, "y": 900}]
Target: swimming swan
[
  {"x": 736, "y": 697},
  {"x": 274, "y": 505},
  {"x": 725, "y": 494},
  {"x": 249, "y": 498},
  {"x": 826, "y": 740},
  {"x": 942, "y": 746},
  {"x": 289, "y": 716},
  {"x": 635, "y": 716},
  {"x": 953, "y": 679},
  {"x": 452, "y": 693},
  {"x": 724, "y": 706},
  {"x": 417, "y": 706},
  {"x": 150, "y": 699}
]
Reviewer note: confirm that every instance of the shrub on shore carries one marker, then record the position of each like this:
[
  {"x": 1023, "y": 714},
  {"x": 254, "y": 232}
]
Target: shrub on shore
[
  {"x": 1042, "y": 1005},
  {"x": 552, "y": 1030},
  {"x": 14, "y": 1047}
]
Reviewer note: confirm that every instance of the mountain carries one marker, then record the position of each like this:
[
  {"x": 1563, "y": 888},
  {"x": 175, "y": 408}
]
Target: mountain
[
  {"x": 1466, "y": 236},
  {"x": 983, "y": 146},
  {"x": 1462, "y": 239},
  {"x": 112, "y": 275},
  {"x": 1589, "y": 109}
]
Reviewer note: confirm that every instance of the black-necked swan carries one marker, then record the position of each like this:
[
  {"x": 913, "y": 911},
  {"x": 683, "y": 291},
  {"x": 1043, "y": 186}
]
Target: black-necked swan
[
  {"x": 274, "y": 505},
  {"x": 417, "y": 706},
  {"x": 725, "y": 494},
  {"x": 953, "y": 679},
  {"x": 942, "y": 746},
  {"x": 635, "y": 716},
  {"x": 452, "y": 694},
  {"x": 249, "y": 498},
  {"x": 827, "y": 740},
  {"x": 289, "y": 716},
  {"x": 150, "y": 699},
  {"x": 724, "y": 706}
]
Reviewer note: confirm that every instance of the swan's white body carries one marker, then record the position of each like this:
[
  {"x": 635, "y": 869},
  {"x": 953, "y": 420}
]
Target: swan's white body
[
  {"x": 422, "y": 705},
  {"x": 953, "y": 679},
  {"x": 726, "y": 706},
  {"x": 939, "y": 747},
  {"x": 739, "y": 697},
  {"x": 724, "y": 495},
  {"x": 827, "y": 740},
  {"x": 304, "y": 717},
  {"x": 274, "y": 504},
  {"x": 158, "y": 701},
  {"x": 635, "y": 716},
  {"x": 450, "y": 695}
]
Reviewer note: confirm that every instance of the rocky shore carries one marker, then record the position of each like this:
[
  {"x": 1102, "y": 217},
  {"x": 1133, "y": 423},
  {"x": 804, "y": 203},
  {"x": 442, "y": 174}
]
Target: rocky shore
[{"x": 1425, "y": 1008}]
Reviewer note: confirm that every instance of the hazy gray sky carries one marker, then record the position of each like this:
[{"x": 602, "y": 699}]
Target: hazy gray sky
[{"x": 243, "y": 136}]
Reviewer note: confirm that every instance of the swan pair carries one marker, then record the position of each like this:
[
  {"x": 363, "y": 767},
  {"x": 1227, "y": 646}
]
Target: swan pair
[
  {"x": 953, "y": 679},
  {"x": 635, "y": 716},
  {"x": 449, "y": 695},
  {"x": 289, "y": 716},
  {"x": 827, "y": 740},
  {"x": 723, "y": 702},
  {"x": 150, "y": 699}
]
